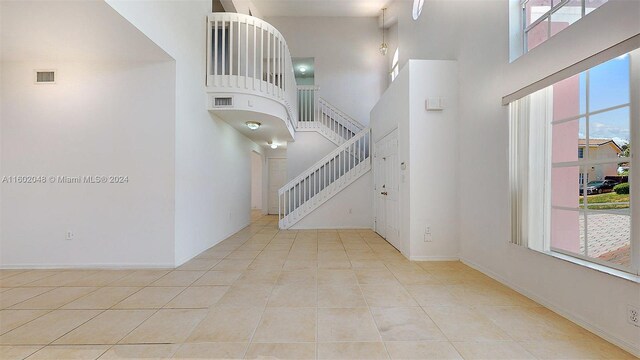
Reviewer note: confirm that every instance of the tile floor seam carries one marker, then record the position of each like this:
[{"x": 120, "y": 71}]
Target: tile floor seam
[
  {"x": 86, "y": 321},
  {"x": 373, "y": 317},
  {"x": 18, "y": 303},
  {"x": 30, "y": 282},
  {"x": 262, "y": 314},
  {"x": 48, "y": 311}
]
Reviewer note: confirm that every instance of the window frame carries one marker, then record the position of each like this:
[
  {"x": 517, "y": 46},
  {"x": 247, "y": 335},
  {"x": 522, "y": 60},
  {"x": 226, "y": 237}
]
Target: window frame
[
  {"x": 529, "y": 170},
  {"x": 587, "y": 161},
  {"x": 546, "y": 16},
  {"x": 395, "y": 61}
]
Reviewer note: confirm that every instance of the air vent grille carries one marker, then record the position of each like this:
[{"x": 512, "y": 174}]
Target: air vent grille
[
  {"x": 223, "y": 102},
  {"x": 45, "y": 76}
]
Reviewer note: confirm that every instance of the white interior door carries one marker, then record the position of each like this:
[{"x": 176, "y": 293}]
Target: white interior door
[
  {"x": 392, "y": 211},
  {"x": 277, "y": 179},
  {"x": 386, "y": 188},
  {"x": 380, "y": 171}
]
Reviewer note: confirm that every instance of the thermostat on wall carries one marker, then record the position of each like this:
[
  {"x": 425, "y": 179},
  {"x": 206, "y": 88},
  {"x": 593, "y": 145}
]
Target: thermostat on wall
[{"x": 434, "y": 104}]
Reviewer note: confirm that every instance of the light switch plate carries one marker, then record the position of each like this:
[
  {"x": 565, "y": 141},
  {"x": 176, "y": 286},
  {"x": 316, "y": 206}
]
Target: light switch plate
[{"x": 434, "y": 104}]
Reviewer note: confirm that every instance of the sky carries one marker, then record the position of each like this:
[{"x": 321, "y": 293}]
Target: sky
[{"x": 609, "y": 86}]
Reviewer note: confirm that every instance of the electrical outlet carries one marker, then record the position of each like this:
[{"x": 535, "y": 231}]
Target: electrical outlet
[
  {"x": 427, "y": 234},
  {"x": 70, "y": 235},
  {"x": 633, "y": 315}
]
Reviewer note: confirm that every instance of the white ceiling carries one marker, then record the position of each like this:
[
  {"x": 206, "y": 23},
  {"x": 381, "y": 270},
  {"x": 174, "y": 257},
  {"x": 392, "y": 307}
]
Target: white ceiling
[
  {"x": 320, "y": 7},
  {"x": 50, "y": 31},
  {"x": 273, "y": 129}
]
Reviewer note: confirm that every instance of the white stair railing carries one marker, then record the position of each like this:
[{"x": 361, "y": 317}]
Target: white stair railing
[
  {"x": 324, "y": 179},
  {"x": 307, "y": 106},
  {"x": 317, "y": 114},
  {"x": 338, "y": 122}
]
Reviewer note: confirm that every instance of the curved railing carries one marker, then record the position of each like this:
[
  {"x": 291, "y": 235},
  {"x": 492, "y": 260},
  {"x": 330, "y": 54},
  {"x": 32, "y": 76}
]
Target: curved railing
[{"x": 247, "y": 54}]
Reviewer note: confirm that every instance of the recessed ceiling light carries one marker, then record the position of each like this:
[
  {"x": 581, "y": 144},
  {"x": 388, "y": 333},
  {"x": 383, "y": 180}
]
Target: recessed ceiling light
[
  {"x": 302, "y": 69},
  {"x": 253, "y": 125}
]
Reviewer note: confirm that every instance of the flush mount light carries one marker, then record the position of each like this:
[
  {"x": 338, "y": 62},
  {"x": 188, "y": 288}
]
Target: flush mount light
[
  {"x": 273, "y": 145},
  {"x": 302, "y": 69},
  {"x": 253, "y": 125}
]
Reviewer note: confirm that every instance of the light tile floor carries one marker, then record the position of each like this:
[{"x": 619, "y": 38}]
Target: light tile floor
[{"x": 265, "y": 293}]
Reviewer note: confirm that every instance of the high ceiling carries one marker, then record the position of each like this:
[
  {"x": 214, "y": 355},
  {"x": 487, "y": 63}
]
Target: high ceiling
[
  {"x": 320, "y": 7},
  {"x": 50, "y": 31}
]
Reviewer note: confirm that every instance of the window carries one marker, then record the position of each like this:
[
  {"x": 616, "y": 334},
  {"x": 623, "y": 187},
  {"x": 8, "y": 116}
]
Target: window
[
  {"x": 417, "y": 8},
  {"x": 394, "y": 66},
  {"x": 575, "y": 202},
  {"x": 545, "y": 18}
]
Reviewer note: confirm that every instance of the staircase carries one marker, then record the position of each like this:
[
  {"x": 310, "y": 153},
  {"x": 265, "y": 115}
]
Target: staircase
[
  {"x": 316, "y": 114},
  {"x": 321, "y": 181}
]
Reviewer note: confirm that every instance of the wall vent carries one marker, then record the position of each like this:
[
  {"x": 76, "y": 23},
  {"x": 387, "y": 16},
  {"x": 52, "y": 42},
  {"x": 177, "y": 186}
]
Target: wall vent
[
  {"x": 45, "y": 76},
  {"x": 223, "y": 101}
]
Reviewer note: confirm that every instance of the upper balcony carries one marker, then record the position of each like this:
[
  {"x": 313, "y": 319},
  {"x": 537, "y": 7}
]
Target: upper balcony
[{"x": 250, "y": 77}]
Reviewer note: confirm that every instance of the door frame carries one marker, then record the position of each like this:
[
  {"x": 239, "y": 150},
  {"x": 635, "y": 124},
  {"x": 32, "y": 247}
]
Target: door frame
[
  {"x": 269, "y": 181},
  {"x": 377, "y": 189}
]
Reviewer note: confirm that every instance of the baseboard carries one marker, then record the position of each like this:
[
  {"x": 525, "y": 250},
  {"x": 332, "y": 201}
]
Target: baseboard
[
  {"x": 102, "y": 266},
  {"x": 434, "y": 258},
  {"x": 625, "y": 345},
  {"x": 346, "y": 227}
]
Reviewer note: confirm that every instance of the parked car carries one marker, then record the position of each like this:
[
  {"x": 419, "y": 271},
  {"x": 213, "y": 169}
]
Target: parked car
[
  {"x": 618, "y": 179},
  {"x": 599, "y": 186}
]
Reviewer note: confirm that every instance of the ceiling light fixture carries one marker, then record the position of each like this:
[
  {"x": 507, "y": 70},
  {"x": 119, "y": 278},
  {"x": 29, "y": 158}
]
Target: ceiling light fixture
[
  {"x": 383, "y": 47},
  {"x": 303, "y": 69},
  {"x": 272, "y": 145},
  {"x": 253, "y": 125}
]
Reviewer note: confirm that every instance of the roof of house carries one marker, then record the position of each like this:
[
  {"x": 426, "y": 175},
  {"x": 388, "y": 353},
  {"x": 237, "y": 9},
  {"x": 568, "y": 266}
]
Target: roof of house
[{"x": 600, "y": 142}]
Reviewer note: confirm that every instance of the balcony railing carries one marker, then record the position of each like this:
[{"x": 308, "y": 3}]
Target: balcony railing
[{"x": 246, "y": 54}]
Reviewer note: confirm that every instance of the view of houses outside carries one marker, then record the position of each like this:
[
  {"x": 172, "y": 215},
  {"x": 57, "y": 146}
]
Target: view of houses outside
[{"x": 590, "y": 139}]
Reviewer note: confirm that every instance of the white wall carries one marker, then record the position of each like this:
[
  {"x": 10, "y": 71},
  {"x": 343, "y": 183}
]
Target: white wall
[
  {"x": 351, "y": 208},
  {"x": 427, "y": 145},
  {"x": 593, "y": 299},
  {"x": 392, "y": 42},
  {"x": 348, "y": 66},
  {"x": 256, "y": 180},
  {"x": 213, "y": 165},
  {"x": 433, "y": 160},
  {"x": 434, "y": 36},
  {"x": 106, "y": 115},
  {"x": 308, "y": 148}
]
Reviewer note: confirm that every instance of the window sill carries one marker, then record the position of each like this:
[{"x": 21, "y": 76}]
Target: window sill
[{"x": 593, "y": 266}]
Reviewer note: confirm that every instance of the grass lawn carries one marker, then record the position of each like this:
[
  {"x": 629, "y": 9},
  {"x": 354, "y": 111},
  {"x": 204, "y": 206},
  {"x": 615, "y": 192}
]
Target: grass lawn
[{"x": 611, "y": 197}]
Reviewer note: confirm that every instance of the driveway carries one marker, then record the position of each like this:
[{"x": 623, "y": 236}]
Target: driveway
[{"x": 608, "y": 235}]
